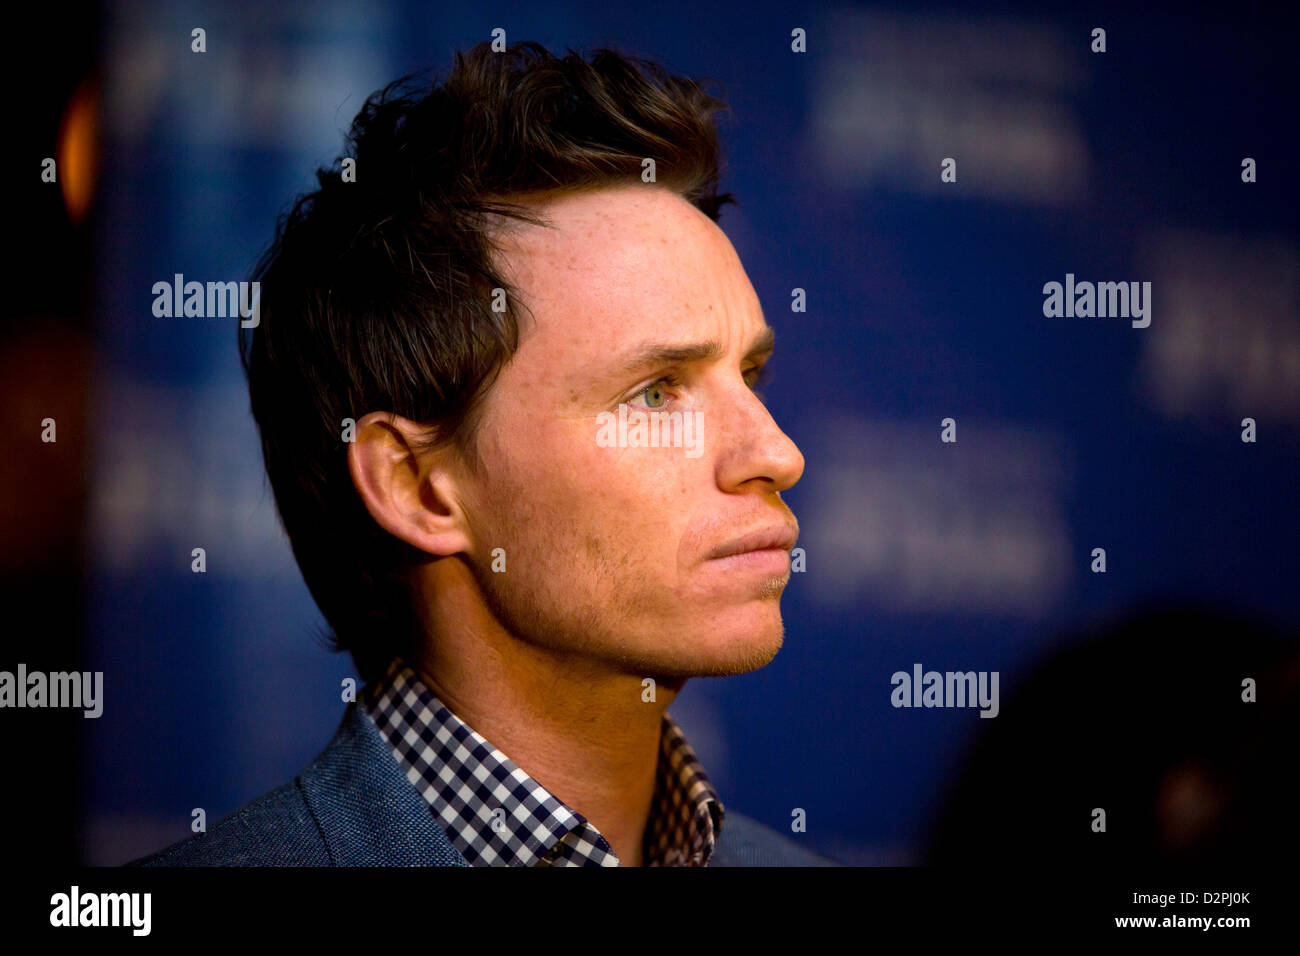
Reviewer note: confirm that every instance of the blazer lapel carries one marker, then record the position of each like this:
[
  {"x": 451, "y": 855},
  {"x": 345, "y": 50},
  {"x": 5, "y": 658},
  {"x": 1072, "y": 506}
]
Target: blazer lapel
[{"x": 368, "y": 812}]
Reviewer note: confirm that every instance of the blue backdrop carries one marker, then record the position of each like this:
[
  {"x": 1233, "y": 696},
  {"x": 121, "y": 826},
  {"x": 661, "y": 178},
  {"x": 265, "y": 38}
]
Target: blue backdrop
[{"x": 924, "y": 302}]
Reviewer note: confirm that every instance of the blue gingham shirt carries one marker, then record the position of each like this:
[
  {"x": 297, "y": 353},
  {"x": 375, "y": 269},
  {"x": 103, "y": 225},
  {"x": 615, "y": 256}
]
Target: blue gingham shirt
[{"x": 495, "y": 814}]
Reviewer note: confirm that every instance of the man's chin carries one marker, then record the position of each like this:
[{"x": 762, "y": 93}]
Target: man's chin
[
  {"x": 717, "y": 654},
  {"x": 754, "y": 657}
]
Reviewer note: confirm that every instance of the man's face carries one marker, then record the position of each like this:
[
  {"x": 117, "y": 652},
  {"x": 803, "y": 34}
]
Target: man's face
[{"x": 609, "y": 550}]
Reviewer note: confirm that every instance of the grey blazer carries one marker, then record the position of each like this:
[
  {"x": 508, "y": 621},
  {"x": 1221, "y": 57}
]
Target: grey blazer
[{"x": 353, "y": 806}]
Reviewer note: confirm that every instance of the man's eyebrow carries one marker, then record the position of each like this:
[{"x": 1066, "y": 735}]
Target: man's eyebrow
[{"x": 654, "y": 353}]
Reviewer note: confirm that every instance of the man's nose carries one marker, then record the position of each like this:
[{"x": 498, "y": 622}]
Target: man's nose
[{"x": 753, "y": 449}]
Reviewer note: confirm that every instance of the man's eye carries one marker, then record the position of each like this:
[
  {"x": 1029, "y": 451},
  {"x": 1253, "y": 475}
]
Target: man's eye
[
  {"x": 657, "y": 390},
  {"x": 656, "y": 394}
]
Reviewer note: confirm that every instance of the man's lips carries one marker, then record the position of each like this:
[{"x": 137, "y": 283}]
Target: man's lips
[{"x": 772, "y": 538}]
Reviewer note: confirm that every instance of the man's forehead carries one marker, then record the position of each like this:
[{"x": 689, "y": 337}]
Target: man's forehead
[
  {"x": 614, "y": 265},
  {"x": 598, "y": 230}
]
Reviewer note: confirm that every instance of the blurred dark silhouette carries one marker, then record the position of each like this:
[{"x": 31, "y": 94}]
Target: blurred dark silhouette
[
  {"x": 1145, "y": 719},
  {"x": 46, "y": 363}
]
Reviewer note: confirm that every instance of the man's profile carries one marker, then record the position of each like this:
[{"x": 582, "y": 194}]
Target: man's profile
[{"x": 517, "y": 258}]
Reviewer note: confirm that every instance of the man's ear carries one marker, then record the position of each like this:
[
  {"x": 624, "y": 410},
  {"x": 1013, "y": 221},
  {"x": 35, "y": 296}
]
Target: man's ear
[{"x": 412, "y": 496}]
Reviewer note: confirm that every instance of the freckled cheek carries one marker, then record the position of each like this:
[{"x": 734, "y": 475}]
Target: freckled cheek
[
  {"x": 636, "y": 503},
  {"x": 644, "y": 474},
  {"x": 648, "y": 502}
]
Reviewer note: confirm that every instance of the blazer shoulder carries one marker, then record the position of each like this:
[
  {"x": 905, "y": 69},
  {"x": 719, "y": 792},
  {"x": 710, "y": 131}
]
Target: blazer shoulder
[
  {"x": 276, "y": 829},
  {"x": 743, "y": 841},
  {"x": 351, "y": 806}
]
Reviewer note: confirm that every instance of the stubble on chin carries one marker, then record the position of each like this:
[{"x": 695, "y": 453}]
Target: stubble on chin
[
  {"x": 541, "y": 599},
  {"x": 597, "y": 632}
]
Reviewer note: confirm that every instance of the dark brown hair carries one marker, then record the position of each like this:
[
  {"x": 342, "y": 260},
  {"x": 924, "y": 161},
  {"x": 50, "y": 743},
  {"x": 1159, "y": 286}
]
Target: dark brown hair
[{"x": 377, "y": 293}]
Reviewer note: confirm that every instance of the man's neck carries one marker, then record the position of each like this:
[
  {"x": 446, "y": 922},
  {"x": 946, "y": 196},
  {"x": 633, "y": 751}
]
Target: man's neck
[{"x": 579, "y": 728}]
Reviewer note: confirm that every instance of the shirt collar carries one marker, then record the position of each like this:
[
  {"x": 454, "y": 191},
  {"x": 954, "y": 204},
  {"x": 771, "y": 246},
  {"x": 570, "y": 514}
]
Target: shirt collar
[{"x": 495, "y": 814}]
